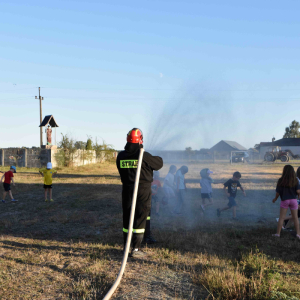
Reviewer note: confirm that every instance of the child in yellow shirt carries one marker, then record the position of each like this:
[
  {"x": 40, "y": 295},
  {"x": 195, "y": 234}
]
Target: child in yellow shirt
[{"x": 47, "y": 173}]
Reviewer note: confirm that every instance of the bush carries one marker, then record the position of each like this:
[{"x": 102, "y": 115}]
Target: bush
[
  {"x": 65, "y": 156},
  {"x": 103, "y": 151}
]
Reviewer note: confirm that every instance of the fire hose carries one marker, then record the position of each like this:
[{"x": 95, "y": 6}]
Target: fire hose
[{"x": 129, "y": 235}]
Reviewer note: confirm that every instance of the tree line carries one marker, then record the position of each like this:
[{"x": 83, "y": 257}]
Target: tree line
[{"x": 68, "y": 147}]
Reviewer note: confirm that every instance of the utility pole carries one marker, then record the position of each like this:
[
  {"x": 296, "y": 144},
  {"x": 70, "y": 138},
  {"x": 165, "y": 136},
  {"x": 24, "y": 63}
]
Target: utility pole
[{"x": 41, "y": 129}]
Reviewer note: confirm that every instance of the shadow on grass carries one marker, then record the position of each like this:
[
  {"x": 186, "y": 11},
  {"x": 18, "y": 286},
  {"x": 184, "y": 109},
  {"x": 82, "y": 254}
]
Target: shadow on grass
[
  {"x": 100, "y": 284},
  {"x": 93, "y": 213},
  {"x": 71, "y": 175},
  {"x": 242, "y": 181}
]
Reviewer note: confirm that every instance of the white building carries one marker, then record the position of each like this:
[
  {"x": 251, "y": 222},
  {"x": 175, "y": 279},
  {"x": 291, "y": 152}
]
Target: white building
[{"x": 292, "y": 144}]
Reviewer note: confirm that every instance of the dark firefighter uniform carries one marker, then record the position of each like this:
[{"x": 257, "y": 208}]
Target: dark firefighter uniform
[{"x": 127, "y": 162}]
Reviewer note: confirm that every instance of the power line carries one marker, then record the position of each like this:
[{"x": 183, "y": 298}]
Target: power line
[
  {"x": 16, "y": 90},
  {"x": 156, "y": 99},
  {"x": 200, "y": 89}
]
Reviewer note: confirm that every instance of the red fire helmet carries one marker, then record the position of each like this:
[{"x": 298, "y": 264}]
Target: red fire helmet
[{"x": 135, "y": 136}]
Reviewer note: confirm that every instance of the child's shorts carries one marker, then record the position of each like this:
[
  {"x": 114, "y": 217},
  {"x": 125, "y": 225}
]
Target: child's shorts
[
  {"x": 158, "y": 196},
  {"x": 169, "y": 192},
  {"x": 47, "y": 186},
  {"x": 231, "y": 202},
  {"x": 292, "y": 204},
  {"x": 6, "y": 186},
  {"x": 206, "y": 195}
]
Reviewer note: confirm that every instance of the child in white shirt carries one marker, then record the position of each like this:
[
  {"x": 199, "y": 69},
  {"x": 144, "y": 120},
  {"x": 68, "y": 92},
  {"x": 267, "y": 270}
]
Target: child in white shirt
[{"x": 169, "y": 184}]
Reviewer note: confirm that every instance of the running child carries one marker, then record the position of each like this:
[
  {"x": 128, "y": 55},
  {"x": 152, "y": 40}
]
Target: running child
[
  {"x": 231, "y": 185},
  {"x": 288, "y": 220},
  {"x": 8, "y": 178},
  {"x": 47, "y": 173},
  {"x": 206, "y": 189},
  {"x": 169, "y": 186},
  {"x": 180, "y": 188},
  {"x": 288, "y": 188}
]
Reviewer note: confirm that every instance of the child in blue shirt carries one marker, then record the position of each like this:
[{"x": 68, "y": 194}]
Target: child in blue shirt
[{"x": 231, "y": 186}]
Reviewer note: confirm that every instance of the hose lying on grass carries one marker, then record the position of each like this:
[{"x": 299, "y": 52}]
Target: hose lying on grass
[{"x": 128, "y": 241}]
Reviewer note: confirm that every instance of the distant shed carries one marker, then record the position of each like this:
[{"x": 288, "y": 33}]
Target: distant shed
[{"x": 225, "y": 147}]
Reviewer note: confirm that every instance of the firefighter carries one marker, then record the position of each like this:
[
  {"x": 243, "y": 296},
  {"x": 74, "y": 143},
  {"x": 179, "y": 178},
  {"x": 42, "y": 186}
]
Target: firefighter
[{"x": 127, "y": 162}]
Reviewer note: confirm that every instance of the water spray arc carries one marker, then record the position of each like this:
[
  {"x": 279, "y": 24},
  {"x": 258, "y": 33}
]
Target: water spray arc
[{"x": 130, "y": 228}]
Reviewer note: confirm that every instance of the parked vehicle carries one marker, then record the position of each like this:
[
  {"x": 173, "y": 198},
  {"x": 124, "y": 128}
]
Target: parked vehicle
[
  {"x": 240, "y": 157},
  {"x": 275, "y": 153}
]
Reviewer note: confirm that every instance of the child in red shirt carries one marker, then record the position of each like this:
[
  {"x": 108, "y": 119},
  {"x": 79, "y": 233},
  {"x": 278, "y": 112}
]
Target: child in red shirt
[{"x": 8, "y": 178}]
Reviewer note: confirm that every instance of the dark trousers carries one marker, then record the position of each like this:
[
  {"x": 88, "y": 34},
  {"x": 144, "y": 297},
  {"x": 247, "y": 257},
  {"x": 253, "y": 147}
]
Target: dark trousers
[
  {"x": 142, "y": 210},
  {"x": 147, "y": 229}
]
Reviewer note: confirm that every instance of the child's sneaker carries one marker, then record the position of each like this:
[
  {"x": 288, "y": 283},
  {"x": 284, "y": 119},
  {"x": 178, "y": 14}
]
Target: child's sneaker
[
  {"x": 46, "y": 200},
  {"x": 3, "y": 201},
  {"x": 51, "y": 200},
  {"x": 14, "y": 200}
]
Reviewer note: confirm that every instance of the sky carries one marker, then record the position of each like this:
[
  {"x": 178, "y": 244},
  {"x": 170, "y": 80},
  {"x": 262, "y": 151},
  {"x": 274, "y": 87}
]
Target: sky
[{"x": 188, "y": 73}]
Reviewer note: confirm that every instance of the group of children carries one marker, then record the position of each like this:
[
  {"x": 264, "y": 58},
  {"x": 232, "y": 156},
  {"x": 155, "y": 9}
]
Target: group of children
[
  {"x": 174, "y": 186},
  {"x": 230, "y": 190},
  {"x": 9, "y": 178},
  {"x": 288, "y": 189}
]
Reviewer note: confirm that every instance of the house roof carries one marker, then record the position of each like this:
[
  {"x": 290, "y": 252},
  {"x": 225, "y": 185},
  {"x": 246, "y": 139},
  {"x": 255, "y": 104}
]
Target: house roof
[
  {"x": 235, "y": 145},
  {"x": 282, "y": 142},
  {"x": 49, "y": 120},
  {"x": 227, "y": 146}
]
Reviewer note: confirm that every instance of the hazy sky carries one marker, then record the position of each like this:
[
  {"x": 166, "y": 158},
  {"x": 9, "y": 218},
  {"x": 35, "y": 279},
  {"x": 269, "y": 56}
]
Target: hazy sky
[{"x": 188, "y": 73}]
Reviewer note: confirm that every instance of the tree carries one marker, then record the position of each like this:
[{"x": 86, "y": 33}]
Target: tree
[
  {"x": 89, "y": 144},
  {"x": 188, "y": 149},
  {"x": 65, "y": 156},
  {"x": 103, "y": 151},
  {"x": 80, "y": 145},
  {"x": 293, "y": 130}
]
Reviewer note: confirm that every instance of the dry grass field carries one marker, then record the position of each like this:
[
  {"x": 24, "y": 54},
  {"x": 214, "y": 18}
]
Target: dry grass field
[{"x": 71, "y": 248}]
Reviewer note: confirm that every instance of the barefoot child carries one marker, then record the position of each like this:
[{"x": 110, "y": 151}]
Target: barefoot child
[
  {"x": 8, "y": 178},
  {"x": 47, "y": 173},
  {"x": 231, "y": 185},
  {"x": 206, "y": 189},
  {"x": 169, "y": 184},
  {"x": 288, "y": 188}
]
